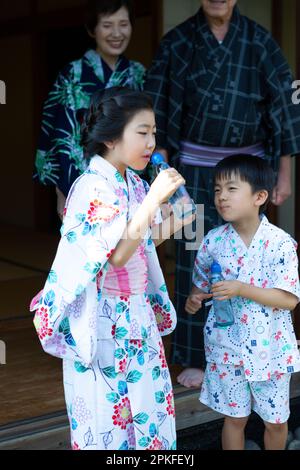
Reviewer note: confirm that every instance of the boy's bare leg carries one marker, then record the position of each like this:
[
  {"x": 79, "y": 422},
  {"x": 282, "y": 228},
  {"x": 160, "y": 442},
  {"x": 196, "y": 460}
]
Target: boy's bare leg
[
  {"x": 233, "y": 433},
  {"x": 191, "y": 377},
  {"x": 275, "y": 436}
]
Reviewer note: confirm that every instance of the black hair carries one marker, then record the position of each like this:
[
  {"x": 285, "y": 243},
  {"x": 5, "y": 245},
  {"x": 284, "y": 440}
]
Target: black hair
[
  {"x": 109, "y": 113},
  {"x": 95, "y": 8},
  {"x": 254, "y": 170}
]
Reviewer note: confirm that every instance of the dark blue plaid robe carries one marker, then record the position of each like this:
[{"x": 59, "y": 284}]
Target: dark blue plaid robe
[{"x": 233, "y": 94}]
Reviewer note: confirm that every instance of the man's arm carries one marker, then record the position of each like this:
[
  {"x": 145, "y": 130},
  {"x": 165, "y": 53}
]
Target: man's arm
[{"x": 283, "y": 188}]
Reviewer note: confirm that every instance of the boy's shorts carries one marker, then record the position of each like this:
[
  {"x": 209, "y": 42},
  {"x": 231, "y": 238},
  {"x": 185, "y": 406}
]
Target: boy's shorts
[{"x": 225, "y": 389}]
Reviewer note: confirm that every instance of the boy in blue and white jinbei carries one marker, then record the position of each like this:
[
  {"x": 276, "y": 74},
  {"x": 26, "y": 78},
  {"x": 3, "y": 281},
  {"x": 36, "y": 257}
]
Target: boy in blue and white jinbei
[{"x": 249, "y": 364}]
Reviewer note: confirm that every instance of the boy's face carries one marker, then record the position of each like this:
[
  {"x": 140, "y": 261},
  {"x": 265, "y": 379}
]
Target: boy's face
[{"x": 235, "y": 200}]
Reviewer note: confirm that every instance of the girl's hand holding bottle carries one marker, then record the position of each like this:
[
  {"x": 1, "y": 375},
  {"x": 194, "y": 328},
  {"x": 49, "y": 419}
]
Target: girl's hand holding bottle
[{"x": 165, "y": 185}]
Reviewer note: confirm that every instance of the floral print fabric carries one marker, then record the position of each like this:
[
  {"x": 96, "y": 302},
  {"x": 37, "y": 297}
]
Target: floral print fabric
[
  {"x": 117, "y": 384},
  {"x": 59, "y": 158}
]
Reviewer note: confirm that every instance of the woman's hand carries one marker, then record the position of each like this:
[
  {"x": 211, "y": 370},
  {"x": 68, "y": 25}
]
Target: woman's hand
[
  {"x": 164, "y": 185},
  {"x": 226, "y": 289},
  {"x": 194, "y": 302}
]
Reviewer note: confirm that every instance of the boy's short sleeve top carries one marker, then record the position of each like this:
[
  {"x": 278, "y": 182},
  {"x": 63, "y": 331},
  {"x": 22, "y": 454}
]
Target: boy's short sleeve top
[{"x": 262, "y": 338}]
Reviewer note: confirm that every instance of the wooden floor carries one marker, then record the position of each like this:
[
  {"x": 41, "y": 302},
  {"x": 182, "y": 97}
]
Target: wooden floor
[{"x": 31, "y": 391}]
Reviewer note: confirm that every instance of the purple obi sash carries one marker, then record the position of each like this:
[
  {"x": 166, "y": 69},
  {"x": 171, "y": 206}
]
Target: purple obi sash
[{"x": 202, "y": 155}]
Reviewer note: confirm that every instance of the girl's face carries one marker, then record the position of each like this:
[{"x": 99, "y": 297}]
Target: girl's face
[
  {"x": 112, "y": 34},
  {"x": 137, "y": 144}
]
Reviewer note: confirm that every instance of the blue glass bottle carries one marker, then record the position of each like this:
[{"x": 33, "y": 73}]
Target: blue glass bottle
[
  {"x": 182, "y": 204},
  {"x": 222, "y": 308}
]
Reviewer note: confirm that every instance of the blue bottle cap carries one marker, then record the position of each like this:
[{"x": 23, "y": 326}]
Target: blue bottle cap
[
  {"x": 215, "y": 268},
  {"x": 157, "y": 158}
]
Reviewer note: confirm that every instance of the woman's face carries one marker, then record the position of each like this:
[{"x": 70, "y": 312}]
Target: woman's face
[
  {"x": 218, "y": 9},
  {"x": 112, "y": 34}
]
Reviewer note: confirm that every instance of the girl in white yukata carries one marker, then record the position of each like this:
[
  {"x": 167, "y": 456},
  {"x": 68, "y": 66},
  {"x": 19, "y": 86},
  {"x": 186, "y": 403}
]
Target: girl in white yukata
[
  {"x": 249, "y": 364},
  {"x": 105, "y": 304}
]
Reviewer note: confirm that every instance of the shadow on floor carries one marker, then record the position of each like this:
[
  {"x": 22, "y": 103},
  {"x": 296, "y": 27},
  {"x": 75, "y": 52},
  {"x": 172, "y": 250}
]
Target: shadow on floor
[{"x": 207, "y": 436}]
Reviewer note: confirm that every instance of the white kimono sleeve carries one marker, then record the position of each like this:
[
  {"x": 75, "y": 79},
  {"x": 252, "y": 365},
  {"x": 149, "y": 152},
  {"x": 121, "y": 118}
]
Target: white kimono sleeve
[{"x": 65, "y": 319}]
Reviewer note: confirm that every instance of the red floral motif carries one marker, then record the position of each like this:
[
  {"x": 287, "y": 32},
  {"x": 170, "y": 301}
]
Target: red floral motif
[
  {"x": 156, "y": 444},
  {"x": 100, "y": 211},
  {"x": 247, "y": 372},
  {"x": 213, "y": 367},
  {"x": 163, "y": 319},
  {"x": 278, "y": 374},
  {"x": 233, "y": 405},
  {"x": 225, "y": 358},
  {"x": 244, "y": 319},
  {"x": 42, "y": 324},
  {"x": 108, "y": 255},
  {"x": 162, "y": 356},
  {"x": 122, "y": 365},
  {"x": 170, "y": 401},
  {"x": 113, "y": 331},
  {"x": 240, "y": 261},
  {"x": 136, "y": 342},
  {"x": 289, "y": 360},
  {"x": 278, "y": 335},
  {"x": 223, "y": 375},
  {"x": 98, "y": 279},
  {"x": 122, "y": 414},
  {"x": 124, "y": 298},
  {"x": 75, "y": 446}
]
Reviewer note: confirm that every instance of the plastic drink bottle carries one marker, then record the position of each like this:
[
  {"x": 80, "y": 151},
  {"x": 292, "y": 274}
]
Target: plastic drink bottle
[
  {"x": 182, "y": 204},
  {"x": 222, "y": 308}
]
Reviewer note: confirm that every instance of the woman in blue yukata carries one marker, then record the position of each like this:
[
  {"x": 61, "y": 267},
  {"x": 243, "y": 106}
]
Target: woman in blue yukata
[
  {"x": 105, "y": 304},
  {"x": 59, "y": 158}
]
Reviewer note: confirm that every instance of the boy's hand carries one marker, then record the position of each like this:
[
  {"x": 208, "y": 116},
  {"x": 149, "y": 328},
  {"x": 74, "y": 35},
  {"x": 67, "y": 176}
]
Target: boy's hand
[
  {"x": 226, "y": 289},
  {"x": 194, "y": 302}
]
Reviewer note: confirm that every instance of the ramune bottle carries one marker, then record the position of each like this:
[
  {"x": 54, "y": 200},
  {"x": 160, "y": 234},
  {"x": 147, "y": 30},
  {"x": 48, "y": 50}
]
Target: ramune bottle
[
  {"x": 222, "y": 308},
  {"x": 183, "y": 206}
]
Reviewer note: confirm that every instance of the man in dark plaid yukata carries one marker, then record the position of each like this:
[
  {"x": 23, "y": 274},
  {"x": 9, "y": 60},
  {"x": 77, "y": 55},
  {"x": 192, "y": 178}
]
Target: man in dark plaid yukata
[{"x": 220, "y": 85}]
